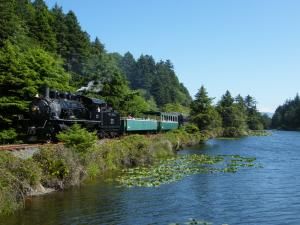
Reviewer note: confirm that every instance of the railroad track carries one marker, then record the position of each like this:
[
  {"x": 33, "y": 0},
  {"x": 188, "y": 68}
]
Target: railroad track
[{"x": 17, "y": 147}]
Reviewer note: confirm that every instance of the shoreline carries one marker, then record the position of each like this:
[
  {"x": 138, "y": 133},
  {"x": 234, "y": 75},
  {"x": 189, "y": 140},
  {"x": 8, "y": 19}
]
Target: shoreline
[{"x": 56, "y": 168}]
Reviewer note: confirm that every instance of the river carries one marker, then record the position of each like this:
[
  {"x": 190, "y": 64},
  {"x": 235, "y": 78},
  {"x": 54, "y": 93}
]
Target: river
[{"x": 260, "y": 196}]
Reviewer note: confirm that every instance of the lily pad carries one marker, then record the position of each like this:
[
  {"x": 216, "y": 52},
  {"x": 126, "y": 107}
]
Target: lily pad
[{"x": 176, "y": 168}]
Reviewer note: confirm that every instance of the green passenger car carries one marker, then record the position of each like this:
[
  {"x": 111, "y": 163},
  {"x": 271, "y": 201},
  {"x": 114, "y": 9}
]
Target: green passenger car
[
  {"x": 168, "y": 121},
  {"x": 155, "y": 122},
  {"x": 134, "y": 125}
]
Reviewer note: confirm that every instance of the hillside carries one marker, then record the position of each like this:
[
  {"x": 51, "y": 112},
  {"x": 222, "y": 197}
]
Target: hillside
[{"x": 47, "y": 47}]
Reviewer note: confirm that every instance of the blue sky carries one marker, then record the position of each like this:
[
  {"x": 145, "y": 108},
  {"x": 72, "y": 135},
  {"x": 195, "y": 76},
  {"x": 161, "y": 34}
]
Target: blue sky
[{"x": 245, "y": 46}]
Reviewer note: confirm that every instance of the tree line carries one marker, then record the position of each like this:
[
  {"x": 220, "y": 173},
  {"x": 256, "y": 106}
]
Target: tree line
[
  {"x": 230, "y": 117},
  {"x": 287, "y": 116}
]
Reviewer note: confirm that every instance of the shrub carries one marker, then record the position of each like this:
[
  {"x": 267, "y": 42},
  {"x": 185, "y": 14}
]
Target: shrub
[
  {"x": 60, "y": 166},
  {"x": 17, "y": 175},
  {"x": 8, "y": 136},
  {"x": 233, "y": 132},
  {"x": 78, "y": 139},
  {"x": 191, "y": 128}
]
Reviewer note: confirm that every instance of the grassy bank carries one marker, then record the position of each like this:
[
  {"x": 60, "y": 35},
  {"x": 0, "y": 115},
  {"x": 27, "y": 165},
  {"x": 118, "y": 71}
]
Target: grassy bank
[{"x": 82, "y": 156}]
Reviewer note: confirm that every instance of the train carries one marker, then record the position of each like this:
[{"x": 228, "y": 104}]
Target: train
[{"x": 56, "y": 111}]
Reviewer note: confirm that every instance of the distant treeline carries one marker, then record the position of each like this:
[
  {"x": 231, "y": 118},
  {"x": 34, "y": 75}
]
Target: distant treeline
[
  {"x": 230, "y": 117},
  {"x": 287, "y": 116}
]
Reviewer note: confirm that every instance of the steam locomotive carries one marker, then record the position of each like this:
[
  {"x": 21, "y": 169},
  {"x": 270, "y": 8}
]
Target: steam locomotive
[{"x": 55, "y": 112}]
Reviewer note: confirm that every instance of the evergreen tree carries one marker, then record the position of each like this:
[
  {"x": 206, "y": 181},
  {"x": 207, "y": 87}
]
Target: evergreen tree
[
  {"x": 203, "y": 114},
  {"x": 254, "y": 120},
  {"x": 41, "y": 26},
  {"x": 129, "y": 67},
  {"x": 227, "y": 100},
  {"x": 77, "y": 45},
  {"x": 10, "y": 24},
  {"x": 61, "y": 30},
  {"x": 146, "y": 70},
  {"x": 287, "y": 116},
  {"x": 233, "y": 118}
]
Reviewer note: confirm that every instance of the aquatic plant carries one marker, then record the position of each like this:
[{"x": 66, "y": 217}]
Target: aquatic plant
[
  {"x": 259, "y": 133},
  {"x": 176, "y": 168}
]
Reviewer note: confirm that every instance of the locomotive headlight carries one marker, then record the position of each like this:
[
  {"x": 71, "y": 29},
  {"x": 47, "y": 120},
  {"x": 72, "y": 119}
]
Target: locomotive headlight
[{"x": 35, "y": 108}]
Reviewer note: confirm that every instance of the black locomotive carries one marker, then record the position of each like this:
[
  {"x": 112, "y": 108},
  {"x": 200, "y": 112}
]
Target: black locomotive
[{"x": 56, "y": 111}]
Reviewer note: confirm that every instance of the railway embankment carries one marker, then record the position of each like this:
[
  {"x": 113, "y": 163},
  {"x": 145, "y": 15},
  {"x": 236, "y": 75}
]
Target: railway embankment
[{"x": 57, "y": 167}]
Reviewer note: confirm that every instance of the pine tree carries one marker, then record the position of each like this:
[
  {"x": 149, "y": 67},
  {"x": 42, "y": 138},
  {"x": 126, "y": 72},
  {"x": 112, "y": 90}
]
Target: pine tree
[
  {"x": 203, "y": 113},
  {"x": 129, "y": 67},
  {"x": 41, "y": 26},
  {"x": 233, "y": 118},
  {"x": 9, "y": 22}
]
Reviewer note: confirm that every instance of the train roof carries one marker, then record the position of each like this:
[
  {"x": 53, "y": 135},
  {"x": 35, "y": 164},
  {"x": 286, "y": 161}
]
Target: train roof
[{"x": 157, "y": 113}]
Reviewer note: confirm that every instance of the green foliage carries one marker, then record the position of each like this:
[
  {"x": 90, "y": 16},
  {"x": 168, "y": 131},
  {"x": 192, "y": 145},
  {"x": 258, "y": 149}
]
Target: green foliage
[
  {"x": 234, "y": 132},
  {"x": 226, "y": 100},
  {"x": 203, "y": 114},
  {"x": 191, "y": 128},
  {"x": 22, "y": 73},
  {"x": 158, "y": 79},
  {"x": 176, "y": 168},
  {"x": 41, "y": 26},
  {"x": 17, "y": 175},
  {"x": 7, "y": 136},
  {"x": 287, "y": 116},
  {"x": 232, "y": 116},
  {"x": 266, "y": 121},
  {"x": 10, "y": 23},
  {"x": 25, "y": 170},
  {"x": 134, "y": 104},
  {"x": 60, "y": 166},
  {"x": 78, "y": 139},
  {"x": 176, "y": 107}
]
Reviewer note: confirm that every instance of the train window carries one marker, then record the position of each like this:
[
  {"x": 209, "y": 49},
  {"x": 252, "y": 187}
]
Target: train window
[{"x": 112, "y": 121}]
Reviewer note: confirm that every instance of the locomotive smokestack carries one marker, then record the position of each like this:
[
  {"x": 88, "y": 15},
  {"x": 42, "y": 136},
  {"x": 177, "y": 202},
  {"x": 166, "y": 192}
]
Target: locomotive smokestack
[{"x": 47, "y": 92}]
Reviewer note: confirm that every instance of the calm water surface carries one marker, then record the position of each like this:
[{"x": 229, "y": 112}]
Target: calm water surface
[{"x": 268, "y": 195}]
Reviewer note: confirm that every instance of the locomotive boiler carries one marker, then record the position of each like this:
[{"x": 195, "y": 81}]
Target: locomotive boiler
[{"x": 56, "y": 111}]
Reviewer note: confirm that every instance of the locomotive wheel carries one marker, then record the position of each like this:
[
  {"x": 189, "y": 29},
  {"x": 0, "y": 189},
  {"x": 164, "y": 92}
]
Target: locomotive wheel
[
  {"x": 101, "y": 134},
  {"x": 49, "y": 138}
]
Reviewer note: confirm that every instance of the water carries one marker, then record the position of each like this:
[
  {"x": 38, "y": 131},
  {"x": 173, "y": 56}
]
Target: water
[{"x": 260, "y": 196}]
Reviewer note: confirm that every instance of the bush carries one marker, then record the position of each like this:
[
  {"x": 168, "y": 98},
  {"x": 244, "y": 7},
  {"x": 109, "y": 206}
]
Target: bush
[
  {"x": 17, "y": 176},
  {"x": 8, "y": 136},
  {"x": 61, "y": 167},
  {"x": 191, "y": 128},
  {"x": 78, "y": 139},
  {"x": 234, "y": 132}
]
